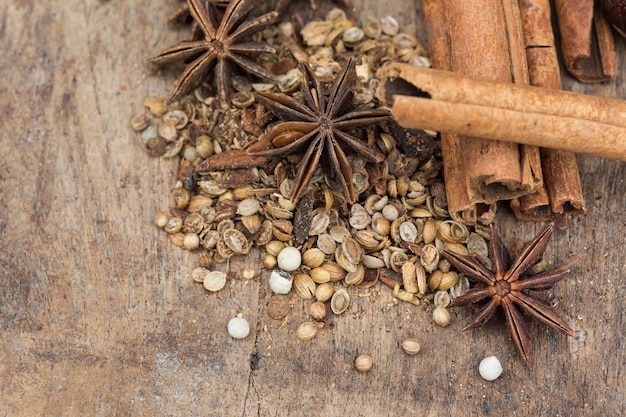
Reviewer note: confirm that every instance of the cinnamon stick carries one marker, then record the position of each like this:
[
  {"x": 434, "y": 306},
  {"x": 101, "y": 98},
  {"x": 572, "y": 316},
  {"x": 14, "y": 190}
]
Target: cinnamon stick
[
  {"x": 560, "y": 172},
  {"x": 586, "y": 40},
  {"x": 481, "y": 38},
  {"x": 523, "y": 114},
  {"x": 460, "y": 206}
]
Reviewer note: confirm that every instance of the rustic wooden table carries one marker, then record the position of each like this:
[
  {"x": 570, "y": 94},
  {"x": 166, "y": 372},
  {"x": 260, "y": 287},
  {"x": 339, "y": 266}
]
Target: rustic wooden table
[{"x": 98, "y": 315}]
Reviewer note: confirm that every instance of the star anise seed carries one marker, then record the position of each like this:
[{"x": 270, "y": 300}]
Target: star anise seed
[
  {"x": 319, "y": 128},
  {"x": 505, "y": 286},
  {"x": 223, "y": 45}
]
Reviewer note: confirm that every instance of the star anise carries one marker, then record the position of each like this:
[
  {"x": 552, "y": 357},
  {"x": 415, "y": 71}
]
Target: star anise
[
  {"x": 504, "y": 287},
  {"x": 320, "y": 128},
  {"x": 223, "y": 45}
]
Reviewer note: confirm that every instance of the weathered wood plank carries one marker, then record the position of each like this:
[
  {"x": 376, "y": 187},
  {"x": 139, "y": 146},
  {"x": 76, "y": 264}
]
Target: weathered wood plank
[{"x": 97, "y": 312}]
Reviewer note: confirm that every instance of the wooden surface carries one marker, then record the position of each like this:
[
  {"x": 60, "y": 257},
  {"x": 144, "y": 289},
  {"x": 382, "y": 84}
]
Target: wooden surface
[{"x": 99, "y": 317}]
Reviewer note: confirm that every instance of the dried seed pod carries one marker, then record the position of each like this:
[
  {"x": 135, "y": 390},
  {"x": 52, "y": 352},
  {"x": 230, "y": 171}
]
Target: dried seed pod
[
  {"x": 389, "y": 25},
  {"x": 174, "y": 225},
  {"x": 366, "y": 239},
  {"x": 324, "y": 292},
  {"x": 372, "y": 27},
  {"x": 204, "y": 146},
  {"x": 274, "y": 210},
  {"x": 397, "y": 259},
  {"x": 372, "y": 262},
  {"x": 411, "y": 346},
  {"x": 210, "y": 188},
  {"x": 242, "y": 193},
  {"x": 441, "y": 316},
  {"x": 421, "y": 279},
  {"x": 209, "y": 239},
  {"x": 430, "y": 231},
  {"x": 339, "y": 233},
  {"x": 390, "y": 212},
  {"x": 223, "y": 250},
  {"x": 180, "y": 197},
  {"x": 191, "y": 241},
  {"x": 477, "y": 245},
  {"x": 214, "y": 280},
  {"x": 326, "y": 244},
  {"x": 356, "y": 277},
  {"x": 380, "y": 224},
  {"x": 444, "y": 265},
  {"x": 236, "y": 241},
  {"x": 448, "y": 280},
  {"x": 351, "y": 250},
  {"x": 335, "y": 271},
  {"x": 456, "y": 247},
  {"x": 353, "y": 35},
  {"x": 286, "y": 204},
  {"x": 224, "y": 225},
  {"x": 320, "y": 275},
  {"x": 317, "y": 310},
  {"x": 363, "y": 363},
  {"x": 303, "y": 286},
  {"x": 319, "y": 224},
  {"x": 409, "y": 277},
  {"x": 160, "y": 219},
  {"x": 251, "y": 223},
  {"x": 405, "y": 40},
  {"x": 403, "y": 295},
  {"x": 359, "y": 219},
  {"x": 420, "y": 213},
  {"x": 313, "y": 257},
  {"x": 435, "y": 280},
  {"x": 248, "y": 207},
  {"x": 307, "y": 330},
  {"x": 198, "y": 274},
  {"x": 198, "y": 202},
  {"x": 194, "y": 223},
  {"x": 266, "y": 233},
  {"x": 429, "y": 257},
  {"x": 269, "y": 261},
  {"x": 168, "y": 131},
  {"x": 139, "y": 122},
  {"x": 340, "y": 301},
  {"x": 177, "y": 238},
  {"x": 408, "y": 231},
  {"x": 453, "y": 232},
  {"x": 460, "y": 288},
  {"x": 274, "y": 247},
  {"x": 442, "y": 299},
  {"x": 342, "y": 261}
]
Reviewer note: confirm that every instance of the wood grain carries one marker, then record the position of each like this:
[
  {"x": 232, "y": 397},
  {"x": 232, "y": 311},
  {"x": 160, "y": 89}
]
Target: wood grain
[{"x": 98, "y": 315}]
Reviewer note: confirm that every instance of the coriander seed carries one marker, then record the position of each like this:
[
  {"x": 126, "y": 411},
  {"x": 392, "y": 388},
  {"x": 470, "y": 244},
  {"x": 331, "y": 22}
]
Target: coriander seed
[
  {"x": 363, "y": 363},
  {"x": 160, "y": 219},
  {"x": 411, "y": 346}
]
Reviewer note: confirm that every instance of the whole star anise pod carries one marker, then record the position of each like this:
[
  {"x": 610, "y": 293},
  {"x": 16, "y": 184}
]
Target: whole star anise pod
[
  {"x": 505, "y": 288},
  {"x": 320, "y": 128},
  {"x": 223, "y": 46}
]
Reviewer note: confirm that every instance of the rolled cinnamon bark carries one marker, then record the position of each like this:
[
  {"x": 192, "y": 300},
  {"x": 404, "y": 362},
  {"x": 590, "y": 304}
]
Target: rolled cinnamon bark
[
  {"x": 586, "y": 41},
  {"x": 460, "y": 206},
  {"x": 560, "y": 172},
  {"x": 481, "y": 38},
  {"x": 450, "y": 102}
]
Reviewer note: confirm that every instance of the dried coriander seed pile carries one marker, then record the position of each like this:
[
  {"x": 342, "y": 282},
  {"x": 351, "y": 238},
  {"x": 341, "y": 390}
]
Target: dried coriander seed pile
[{"x": 355, "y": 221}]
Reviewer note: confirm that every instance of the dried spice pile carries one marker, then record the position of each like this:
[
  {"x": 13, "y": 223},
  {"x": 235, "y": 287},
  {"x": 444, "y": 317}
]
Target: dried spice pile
[{"x": 294, "y": 156}]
